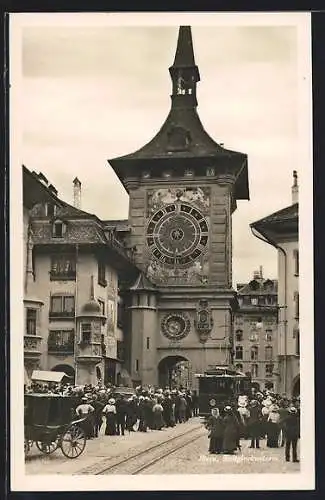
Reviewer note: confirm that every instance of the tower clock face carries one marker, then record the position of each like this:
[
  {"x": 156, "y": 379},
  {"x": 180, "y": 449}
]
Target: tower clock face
[{"x": 177, "y": 234}]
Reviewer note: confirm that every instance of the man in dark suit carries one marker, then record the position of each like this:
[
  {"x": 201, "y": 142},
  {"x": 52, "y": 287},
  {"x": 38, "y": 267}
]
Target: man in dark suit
[{"x": 291, "y": 430}]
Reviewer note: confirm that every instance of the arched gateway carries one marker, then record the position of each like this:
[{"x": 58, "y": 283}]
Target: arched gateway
[
  {"x": 175, "y": 371},
  {"x": 67, "y": 369}
]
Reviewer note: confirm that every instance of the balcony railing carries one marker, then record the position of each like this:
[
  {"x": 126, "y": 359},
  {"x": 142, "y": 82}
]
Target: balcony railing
[
  {"x": 61, "y": 314},
  {"x": 32, "y": 345},
  {"x": 62, "y": 276},
  {"x": 89, "y": 352},
  {"x": 67, "y": 348}
]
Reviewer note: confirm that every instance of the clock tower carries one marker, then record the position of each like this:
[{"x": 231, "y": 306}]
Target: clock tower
[{"x": 183, "y": 189}]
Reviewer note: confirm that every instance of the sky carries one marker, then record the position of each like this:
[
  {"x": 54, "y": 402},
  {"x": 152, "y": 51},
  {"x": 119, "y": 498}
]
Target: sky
[{"x": 90, "y": 93}]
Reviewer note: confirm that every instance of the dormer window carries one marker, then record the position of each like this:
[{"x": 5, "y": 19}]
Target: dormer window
[
  {"x": 58, "y": 229},
  {"x": 50, "y": 209}
]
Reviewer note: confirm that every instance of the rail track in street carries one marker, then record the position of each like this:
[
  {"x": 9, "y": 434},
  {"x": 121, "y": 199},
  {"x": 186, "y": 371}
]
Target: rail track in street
[{"x": 144, "y": 459}]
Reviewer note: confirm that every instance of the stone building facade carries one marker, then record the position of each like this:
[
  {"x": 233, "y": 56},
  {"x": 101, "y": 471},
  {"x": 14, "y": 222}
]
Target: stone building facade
[
  {"x": 183, "y": 189},
  {"x": 280, "y": 230},
  {"x": 73, "y": 263},
  {"x": 167, "y": 270},
  {"x": 256, "y": 331}
]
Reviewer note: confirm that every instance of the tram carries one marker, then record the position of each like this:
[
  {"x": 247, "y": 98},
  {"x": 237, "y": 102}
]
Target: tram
[{"x": 219, "y": 386}]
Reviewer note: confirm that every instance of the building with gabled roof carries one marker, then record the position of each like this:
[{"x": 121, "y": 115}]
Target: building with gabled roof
[
  {"x": 281, "y": 230},
  {"x": 75, "y": 267}
]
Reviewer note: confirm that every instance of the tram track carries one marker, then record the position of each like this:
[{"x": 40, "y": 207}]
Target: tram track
[{"x": 144, "y": 459}]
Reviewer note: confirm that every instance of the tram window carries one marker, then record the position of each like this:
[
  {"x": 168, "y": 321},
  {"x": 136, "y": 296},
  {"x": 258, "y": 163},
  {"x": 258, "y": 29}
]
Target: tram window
[{"x": 212, "y": 386}]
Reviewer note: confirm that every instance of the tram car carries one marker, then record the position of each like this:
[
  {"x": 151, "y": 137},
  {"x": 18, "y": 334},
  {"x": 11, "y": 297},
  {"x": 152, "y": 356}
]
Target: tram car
[{"x": 219, "y": 386}]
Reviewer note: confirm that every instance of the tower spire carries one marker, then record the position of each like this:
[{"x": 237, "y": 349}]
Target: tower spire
[{"x": 184, "y": 72}]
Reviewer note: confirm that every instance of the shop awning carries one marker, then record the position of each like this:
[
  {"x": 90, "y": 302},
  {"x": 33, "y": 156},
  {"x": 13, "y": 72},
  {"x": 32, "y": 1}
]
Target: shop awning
[{"x": 47, "y": 376}]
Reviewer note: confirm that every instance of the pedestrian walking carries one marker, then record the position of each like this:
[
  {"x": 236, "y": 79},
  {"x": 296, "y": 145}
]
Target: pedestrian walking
[
  {"x": 254, "y": 424},
  {"x": 85, "y": 410},
  {"x": 230, "y": 436},
  {"x": 121, "y": 412},
  {"x": 195, "y": 403},
  {"x": 291, "y": 428},
  {"x": 110, "y": 413},
  {"x": 216, "y": 428},
  {"x": 157, "y": 416},
  {"x": 273, "y": 427}
]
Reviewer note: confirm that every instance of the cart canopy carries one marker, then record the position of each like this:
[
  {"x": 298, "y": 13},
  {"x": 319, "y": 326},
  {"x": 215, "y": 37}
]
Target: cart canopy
[{"x": 47, "y": 376}]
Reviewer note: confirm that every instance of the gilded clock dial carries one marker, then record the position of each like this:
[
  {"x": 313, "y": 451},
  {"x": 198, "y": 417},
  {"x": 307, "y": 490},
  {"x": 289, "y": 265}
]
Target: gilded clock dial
[{"x": 177, "y": 234}]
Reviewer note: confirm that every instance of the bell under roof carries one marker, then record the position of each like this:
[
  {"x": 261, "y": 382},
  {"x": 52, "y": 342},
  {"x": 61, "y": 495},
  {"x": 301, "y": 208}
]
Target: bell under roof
[{"x": 182, "y": 139}]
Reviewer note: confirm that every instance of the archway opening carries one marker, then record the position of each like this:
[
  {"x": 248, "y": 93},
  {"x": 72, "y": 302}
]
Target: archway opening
[
  {"x": 175, "y": 372},
  {"x": 68, "y": 370},
  {"x": 296, "y": 387}
]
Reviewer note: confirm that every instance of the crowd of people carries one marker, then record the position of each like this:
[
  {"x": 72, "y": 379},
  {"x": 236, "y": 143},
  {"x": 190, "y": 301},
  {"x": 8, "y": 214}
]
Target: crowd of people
[
  {"x": 257, "y": 416},
  {"x": 261, "y": 415},
  {"x": 149, "y": 408}
]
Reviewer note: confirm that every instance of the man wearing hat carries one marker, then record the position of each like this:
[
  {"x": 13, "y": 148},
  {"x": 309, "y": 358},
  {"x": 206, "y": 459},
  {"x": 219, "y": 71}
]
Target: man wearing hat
[
  {"x": 85, "y": 410},
  {"x": 291, "y": 429},
  {"x": 254, "y": 424}
]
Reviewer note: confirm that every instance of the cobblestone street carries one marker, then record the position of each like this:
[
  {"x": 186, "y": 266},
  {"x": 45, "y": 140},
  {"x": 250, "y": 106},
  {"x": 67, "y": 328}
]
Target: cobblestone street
[{"x": 191, "y": 458}]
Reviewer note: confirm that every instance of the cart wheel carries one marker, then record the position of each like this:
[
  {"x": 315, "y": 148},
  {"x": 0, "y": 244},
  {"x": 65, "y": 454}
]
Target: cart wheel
[
  {"x": 73, "y": 442},
  {"x": 280, "y": 438},
  {"x": 47, "y": 448}
]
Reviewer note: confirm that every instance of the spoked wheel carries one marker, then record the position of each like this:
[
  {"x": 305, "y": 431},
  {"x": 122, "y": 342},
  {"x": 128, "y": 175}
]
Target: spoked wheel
[
  {"x": 73, "y": 442},
  {"x": 47, "y": 448},
  {"x": 280, "y": 438},
  {"x": 27, "y": 446}
]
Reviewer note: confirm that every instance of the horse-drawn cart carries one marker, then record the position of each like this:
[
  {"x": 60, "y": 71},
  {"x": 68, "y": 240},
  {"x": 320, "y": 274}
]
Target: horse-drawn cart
[{"x": 50, "y": 423}]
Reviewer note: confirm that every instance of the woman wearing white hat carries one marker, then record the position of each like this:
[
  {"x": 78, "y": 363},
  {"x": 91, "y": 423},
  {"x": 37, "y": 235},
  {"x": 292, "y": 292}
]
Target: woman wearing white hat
[
  {"x": 110, "y": 413},
  {"x": 273, "y": 427}
]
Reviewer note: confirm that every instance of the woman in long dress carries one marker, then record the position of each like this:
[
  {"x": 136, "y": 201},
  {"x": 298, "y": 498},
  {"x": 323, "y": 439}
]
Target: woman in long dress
[
  {"x": 273, "y": 427},
  {"x": 110, "y": 413},
  {"x": 157, "y": 416},
  {"x": 230, "y": 436},
  {"x": 215, "y": 426}
]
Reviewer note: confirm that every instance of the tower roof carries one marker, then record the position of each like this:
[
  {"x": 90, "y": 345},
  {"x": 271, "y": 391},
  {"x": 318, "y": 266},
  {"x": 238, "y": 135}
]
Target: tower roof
[
  {"x": 182, "y": 140},
  {"x": 92, "y": 307},
  {"x": 143, "y": 283}
]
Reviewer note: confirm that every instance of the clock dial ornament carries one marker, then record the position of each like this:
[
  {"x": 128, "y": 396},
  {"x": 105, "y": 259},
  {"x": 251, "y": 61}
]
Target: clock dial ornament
[
  {"x": 175, "y": 326},
  {"x": 177, "y": 234}
]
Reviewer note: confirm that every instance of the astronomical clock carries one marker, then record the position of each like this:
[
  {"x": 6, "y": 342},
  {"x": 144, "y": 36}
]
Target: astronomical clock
[{"x": 177, "y": 235}]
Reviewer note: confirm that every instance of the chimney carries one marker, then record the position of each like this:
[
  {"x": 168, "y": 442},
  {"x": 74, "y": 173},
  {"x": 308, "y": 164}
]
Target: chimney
[
  {"x": 294, "y": 189},
  {"x": 256, "y": 275},
  {"x": 261, "y": 272},
  {"x": 77, "y": 193}
]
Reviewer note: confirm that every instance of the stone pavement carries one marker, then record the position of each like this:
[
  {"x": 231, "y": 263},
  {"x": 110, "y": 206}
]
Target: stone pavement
[
  {"x": 100, "y": 449},
  {"x": 193, "y": 459}
]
